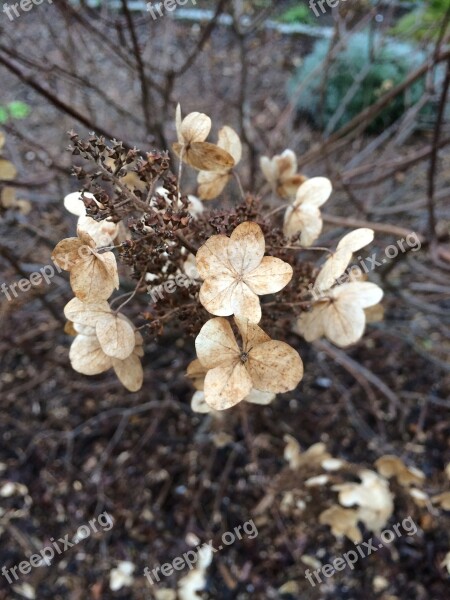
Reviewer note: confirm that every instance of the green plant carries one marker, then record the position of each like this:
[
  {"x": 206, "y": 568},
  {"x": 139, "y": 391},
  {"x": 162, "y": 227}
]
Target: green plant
[
  {"x": 297, "y": 14},
  {"x": 342, "y": 98},
  {"x": 423, "y": 22},
  {"x": 14, "y": 110}
]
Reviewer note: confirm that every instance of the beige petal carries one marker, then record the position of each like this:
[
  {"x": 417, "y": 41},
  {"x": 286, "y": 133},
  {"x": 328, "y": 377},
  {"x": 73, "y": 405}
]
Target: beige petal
[
  {"x": 342, "y": 522},
  {"x": 116, "y": 336},
  {"x": 336, "y": 264},
  {"x": 68, "y": 253},
  {"x": 196, "y": 372},
  {"x": 211, "y": 184},
  {"x": 129, "y": 372},
  {"x": 274, "y": 367},
  {"x": 227, "y": 385},
  {"x": 217, "y": 295},
  {"x": 262, "y": 398},
  {"x": 311, "y": 324},
  {"x": 93, "y": 279},
  {"x": 212, "y": 257},
  {"x": 230, "y": 141},
  {"x": 102, "y": 232},
  {"x": 364, "y": 294},
  {"x": 355, "y": 240},
  {"x": 85, "y": 238},
  {"x": 343, "y": 322},
  {"x": 75, "y": 205},
  {"x": 198, "y": 403},
  {"x": 314, "y": 192},
  {"x": 269, "y": 169},
  {"x": 252, "y": 335},
  {"x": 271, "y": 276},
  {"x": 245, "y": 303},
  {"x": 305, "y": 220},
  {"x": 87, "y": 357},
  {"x": 7, "y": 170},
  {"x": 195, "y": 127},
  {"x": 246, "y": 247},
  {"x": 216, "y": 344},
  {"x": 86, "y": 313}
]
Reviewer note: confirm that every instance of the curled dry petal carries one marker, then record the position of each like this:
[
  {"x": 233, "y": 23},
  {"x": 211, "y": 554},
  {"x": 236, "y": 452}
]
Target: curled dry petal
[
  {"x": 129, "y": 372},
  {"x": 116, "y": 336},
  {"x": 87, "y": 357}
]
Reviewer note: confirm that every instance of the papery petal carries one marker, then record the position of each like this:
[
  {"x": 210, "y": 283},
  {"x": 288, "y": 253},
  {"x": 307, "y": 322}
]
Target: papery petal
[
  {"x": 198, "y": 403},
  {"x": 226, "y": 386},
  {"x": 211, "y": 184},
  {"x": 116, "y": 336},
  {"x": 217, "y": 295},
  {"x": 246, "y": 248},
  {"x": 310, "y": 324},
  {"x": 262, "y": 398},
  {"x": 251, "y": 334},
  {"x": 245, "y": 303},
  {"x": 363, "y": 293},
  {"x": 195, "y": 127},
  {"x": 129, "y": 372},
  {"x": 271, "y": 276},
  {"x": 343, "y": 322},
  {"x": 87, "y": 357},
  {"x": 212, "y": 257},
  {"x": 216, "y": 344},
  {"x": 230, "y": 141},
  {"x": 274, "y": 367},
  {"x": 314, "y": 192}
]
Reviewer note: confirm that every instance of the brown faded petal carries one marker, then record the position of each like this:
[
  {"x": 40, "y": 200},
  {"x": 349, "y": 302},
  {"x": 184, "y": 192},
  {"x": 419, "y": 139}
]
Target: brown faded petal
[
  {"x": 246, "y": 248},
  {"x": 129, "y": 372},
  {"x": 85, "y": 238},
  {"x": 288, "y": 186},
  {"x": 252, "y": 335},
  {"x": 86, "y": 313},
  {"x": 271, "y": 276},
  {"x": 93, "y": 279},
  {"x": 195, "y": 127},
  {"x": 314, "y": 192},
  {"x": 245, "y": 303},
  {"x": 374, "y": 314},
  {"x": 116, "y": 336},
  {"x": 311, "y": 324},
  {"x": 227, "y": 385},
  {"x": 7, "y": 170},
  {"x": 286, "y": 164},
  {"x": 305, "y": 220},
  {"x": 67, "y": 253},
  {"x": 211, "y": 184},
  {"x": 217, "y": 295},
  {"x": 343, "y": 322},
  {"x": 274, "y": 367},
  {"x": 212, "y": 257},
  {"x": 206, "y": 157},
  {"x": 87, "y": 357},
  {"x": 230, "y": 141},
  {"x": 216, "y": 344},
  {"x": 196, "y": 373}
]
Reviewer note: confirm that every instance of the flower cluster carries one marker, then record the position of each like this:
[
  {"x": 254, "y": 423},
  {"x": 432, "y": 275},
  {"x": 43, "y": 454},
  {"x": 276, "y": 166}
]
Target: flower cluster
[{"x": 216, "y": 271}]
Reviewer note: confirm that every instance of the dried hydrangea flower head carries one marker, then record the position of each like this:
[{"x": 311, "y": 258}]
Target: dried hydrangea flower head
[
  {"x": 93, "y": 275},
  {"x": 281, "y": 172},
  {"x": 197, "y": 372},
  {"x": 235, "y": 272},
  {"x": 232, "y": 371},
  {"x": 105, "y": 340},
  {"x": 192, "y": 148},
  {"x": 212, "y": 183},
  {"x": 339, "y": 312},
  {"x": 303, "y": 215}
]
